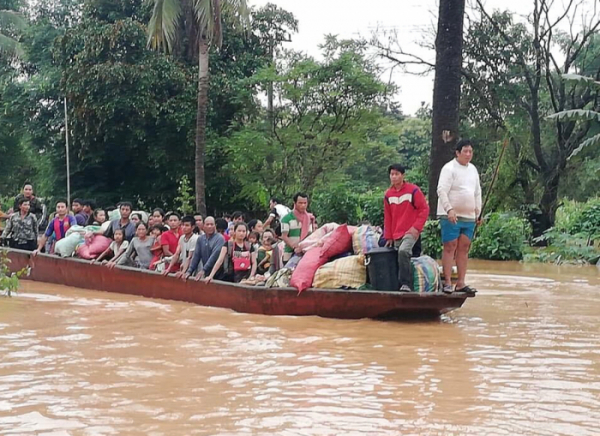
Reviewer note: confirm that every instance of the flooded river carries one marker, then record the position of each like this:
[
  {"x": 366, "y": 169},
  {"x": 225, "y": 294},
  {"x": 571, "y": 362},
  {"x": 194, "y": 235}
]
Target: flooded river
[{"x": 523, "y": 358}]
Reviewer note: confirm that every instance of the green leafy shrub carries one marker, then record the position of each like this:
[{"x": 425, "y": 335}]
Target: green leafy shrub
[
  {"x": 564, "y": 248},
  {"x": 336, "y": 204},
  {"x": 371, "y": 207},
  {"x": 6, "y": 203},
  {"x": 185, "y": 199},
  {"x": 567, "y": 215},
  {"x": 431, "y": 239},
  {"x": 587, "y": 221},
  {"x": 342, "y": 204},
  {"x": 501, "y": 237},
  {"x": 9, "y": 282}
]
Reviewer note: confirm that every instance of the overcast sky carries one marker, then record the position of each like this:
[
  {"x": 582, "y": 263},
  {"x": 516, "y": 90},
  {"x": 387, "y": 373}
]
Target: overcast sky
[{"x": 353, "y": 18}]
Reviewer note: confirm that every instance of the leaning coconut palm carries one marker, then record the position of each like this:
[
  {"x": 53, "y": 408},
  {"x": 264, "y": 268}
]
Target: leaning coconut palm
[
  {"x": 163, "y": 31},
  {"x": 11, "y": 23},
  {"x": 581, "y": 115}
]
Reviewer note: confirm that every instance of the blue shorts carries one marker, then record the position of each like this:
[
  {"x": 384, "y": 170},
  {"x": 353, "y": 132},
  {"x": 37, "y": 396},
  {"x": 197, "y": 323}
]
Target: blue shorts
[{"x": 451, "y": 232}]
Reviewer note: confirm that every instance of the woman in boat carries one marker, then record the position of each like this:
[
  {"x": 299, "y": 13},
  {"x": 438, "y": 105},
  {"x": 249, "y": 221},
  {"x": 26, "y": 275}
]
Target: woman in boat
[
  {"x": 256, "y": 226},
  {"x": 138, "y": 253},
  {"x": 98, "y": 217},
  {"x": 157, "y": 218},
  {"x": 240, "y": 257},
  {"x": 22, "y": 227},
  {"x": 136, "y": 218}
]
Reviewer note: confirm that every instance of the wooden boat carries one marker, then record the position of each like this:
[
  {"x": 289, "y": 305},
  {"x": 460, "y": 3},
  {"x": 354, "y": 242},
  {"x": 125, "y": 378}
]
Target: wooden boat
[{"x": 329, "y": 303}]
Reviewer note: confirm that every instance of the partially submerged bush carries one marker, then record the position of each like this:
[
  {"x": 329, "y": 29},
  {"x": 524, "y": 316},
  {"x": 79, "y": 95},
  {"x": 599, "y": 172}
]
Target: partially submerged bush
[
  {"x": 564, "y": 248},
  {"x": 501, "y": 237},
  {"x": 9, "y": 281}
]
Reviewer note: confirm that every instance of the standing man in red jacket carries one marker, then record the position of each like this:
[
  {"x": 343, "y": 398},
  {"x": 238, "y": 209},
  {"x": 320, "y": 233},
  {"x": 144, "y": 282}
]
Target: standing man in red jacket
[{"x": 405, "y": 211}]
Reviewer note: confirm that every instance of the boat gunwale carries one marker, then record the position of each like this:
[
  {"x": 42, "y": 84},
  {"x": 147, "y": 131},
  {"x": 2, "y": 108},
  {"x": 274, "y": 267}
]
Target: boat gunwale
[{"x": 403, "y": 295}]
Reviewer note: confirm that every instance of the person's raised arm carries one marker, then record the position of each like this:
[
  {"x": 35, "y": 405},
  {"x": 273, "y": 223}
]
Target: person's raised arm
[{"x": 272, "y": 216}]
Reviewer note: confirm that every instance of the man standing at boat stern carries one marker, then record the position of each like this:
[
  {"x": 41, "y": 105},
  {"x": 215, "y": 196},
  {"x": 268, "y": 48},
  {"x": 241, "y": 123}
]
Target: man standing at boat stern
[
  {"x": 459, "y": 206},
  {"x": 405, "y": 212}
]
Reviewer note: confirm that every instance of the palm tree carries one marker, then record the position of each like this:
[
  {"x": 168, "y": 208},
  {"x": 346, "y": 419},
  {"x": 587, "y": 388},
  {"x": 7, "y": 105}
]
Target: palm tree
[
  {"x": 163, "y": 32},
  {"x": 446, "y": 92},
  {"x": 580, "y": 115},
  {"x": 10, "y": 23}
]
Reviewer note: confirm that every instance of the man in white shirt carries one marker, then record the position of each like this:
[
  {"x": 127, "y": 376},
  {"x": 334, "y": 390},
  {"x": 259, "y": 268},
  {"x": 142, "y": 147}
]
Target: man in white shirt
[
  {"x": 276, "y": 214},
  {"x": 459, "y": 206},
  {"x": 185, "y": 248}
]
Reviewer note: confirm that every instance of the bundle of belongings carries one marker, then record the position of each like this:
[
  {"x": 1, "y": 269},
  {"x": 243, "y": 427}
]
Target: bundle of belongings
[
  {"x": 85, "y": 242},
  {"x": 334, "y": 257}
]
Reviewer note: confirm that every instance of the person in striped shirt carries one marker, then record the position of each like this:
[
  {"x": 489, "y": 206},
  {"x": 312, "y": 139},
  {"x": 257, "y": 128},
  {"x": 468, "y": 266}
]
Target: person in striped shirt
[{"x": 296, "y": 226}]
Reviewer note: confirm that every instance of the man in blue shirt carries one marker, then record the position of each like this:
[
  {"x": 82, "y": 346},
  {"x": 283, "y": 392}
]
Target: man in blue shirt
[{"x": 208, "y": 248}]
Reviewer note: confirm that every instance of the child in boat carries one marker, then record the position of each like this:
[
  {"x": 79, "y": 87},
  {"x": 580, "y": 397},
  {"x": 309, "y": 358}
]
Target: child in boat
[
  {"x": 116, "y": 248},
  {"x": 157, "y": 251},
  {"x": 264, "y": 255},
  {"x": 253, "y": 240},
  {"x": 138, "y": 254}
]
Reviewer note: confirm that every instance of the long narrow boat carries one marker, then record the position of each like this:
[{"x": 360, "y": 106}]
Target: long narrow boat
[{"x": 329, "y": 303}]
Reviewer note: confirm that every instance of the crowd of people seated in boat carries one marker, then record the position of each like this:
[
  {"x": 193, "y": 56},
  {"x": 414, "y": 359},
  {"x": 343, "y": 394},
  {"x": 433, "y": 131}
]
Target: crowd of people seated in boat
[
  {"x": 191, "y": 246},
  {"x": 228, "y": 248}
]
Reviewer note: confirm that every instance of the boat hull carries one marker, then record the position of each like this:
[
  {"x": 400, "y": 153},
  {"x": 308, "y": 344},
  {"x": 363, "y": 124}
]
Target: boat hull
[{"x": 329, "y": 303}]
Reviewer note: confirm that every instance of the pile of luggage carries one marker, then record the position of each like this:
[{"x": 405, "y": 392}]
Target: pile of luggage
[{"x": 348, "y": 257}]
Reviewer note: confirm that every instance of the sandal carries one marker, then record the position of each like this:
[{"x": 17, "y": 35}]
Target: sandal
[
  {"x": 467, "y": 290},
  {"x": 447, "y": 289}
]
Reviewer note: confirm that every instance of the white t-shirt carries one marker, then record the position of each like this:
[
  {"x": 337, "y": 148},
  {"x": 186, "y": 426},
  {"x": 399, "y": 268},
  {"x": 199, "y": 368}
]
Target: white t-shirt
[
  {"x": 115, "y": 248},
  {"x": 281, "y": 210},
  {"x": 188, "y": 246},
  {"x": 459, "y": 189}
]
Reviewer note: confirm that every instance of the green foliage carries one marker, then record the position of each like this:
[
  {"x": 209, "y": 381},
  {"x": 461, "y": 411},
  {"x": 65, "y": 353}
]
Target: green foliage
[
  {"x": 431, "y": 239},
  {"x": 342, "y": 203},
  {"x": 329, "y": 114},
  {"x": 9, "y": 281},
  {"x": 587, "y": 220},
  {"x": 6, "y": 202},
  {"x": 501, "y": 237},
  {"x": 511, "y": 87},
  {"x": 567, "y": 215},
  {"x": 337, "y": 204},
  {"x": 575, "y": 237},
  {"x": 185, "y": 199},
  {"x": 564, "y": 248}
]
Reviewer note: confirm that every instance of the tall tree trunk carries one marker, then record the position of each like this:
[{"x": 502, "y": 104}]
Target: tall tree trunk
[
  {"x": 446, "y": 91},
  {"x": 201, "y": 126},
  {"x": 270, "y": 112}
]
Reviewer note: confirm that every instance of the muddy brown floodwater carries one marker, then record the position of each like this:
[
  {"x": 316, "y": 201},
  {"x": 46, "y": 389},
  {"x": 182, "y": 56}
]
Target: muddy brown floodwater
[{"x": 523, "y": 358}]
